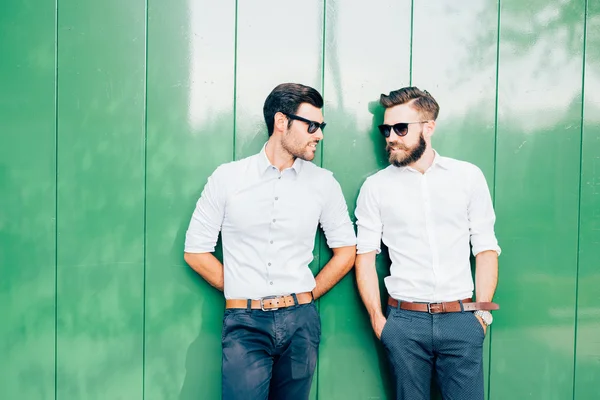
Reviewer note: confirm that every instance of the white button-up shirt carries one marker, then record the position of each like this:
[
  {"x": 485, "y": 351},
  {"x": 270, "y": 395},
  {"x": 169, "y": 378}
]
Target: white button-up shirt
[
  {"x": 268, "y": 220},
  {"x": 426, "y": 221}
]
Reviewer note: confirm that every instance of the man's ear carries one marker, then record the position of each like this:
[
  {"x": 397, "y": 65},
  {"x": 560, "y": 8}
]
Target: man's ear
[
  {"x": 429, "y": 129},
  {"x": 280, "y": 122}
]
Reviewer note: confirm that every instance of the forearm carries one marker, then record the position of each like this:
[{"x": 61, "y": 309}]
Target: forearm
[
  {"x": 339, "y": 265},
  {"x": 486, "y": 275},
  {"x": 208, "y": 267},
  {"x": 368, "y": 284}
]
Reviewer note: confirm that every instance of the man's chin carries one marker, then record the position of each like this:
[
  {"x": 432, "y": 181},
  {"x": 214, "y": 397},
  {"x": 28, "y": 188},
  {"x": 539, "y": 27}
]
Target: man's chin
[
  {"x": 397, "y": 162},
  {"x": 308, "y": 157}
]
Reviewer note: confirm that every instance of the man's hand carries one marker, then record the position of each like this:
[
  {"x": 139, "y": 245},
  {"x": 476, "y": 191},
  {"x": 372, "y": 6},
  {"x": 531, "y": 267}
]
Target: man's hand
[
  {"x": 378, "y": 324},
  {"x": 484, "y": 326}
]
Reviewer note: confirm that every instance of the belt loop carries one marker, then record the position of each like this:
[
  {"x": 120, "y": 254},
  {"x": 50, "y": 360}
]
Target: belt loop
[
  {"x": 462, "y": 309},
  {"x": 295, "y": 299},
  {"x": 249, "y": 305},
  {"x": 398, "y": 306}
]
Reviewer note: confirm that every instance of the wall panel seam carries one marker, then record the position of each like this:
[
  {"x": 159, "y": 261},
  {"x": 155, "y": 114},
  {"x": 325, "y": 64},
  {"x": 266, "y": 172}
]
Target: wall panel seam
[
  {"x": 489, "y": 391},
  {"x": 319, "y": 243},
  {"x": 410, "y": 69},
  {"x": 585, "y": 16},
  {"x": 145, "y": 224},
  {"x": 55, "y": 199},
  {"x": 235, "y": 61}
]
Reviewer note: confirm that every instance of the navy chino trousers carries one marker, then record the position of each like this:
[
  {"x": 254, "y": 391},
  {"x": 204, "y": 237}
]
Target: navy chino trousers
[
  {"x": 270, "y": 355},
  {"x": 419, "y": 343}
]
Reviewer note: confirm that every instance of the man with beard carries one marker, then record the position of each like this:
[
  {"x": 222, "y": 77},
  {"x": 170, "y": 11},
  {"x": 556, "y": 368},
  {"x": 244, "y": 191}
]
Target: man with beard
[
  {"x": 267, "y": 208},
  {"x": 428, "y": 210}
]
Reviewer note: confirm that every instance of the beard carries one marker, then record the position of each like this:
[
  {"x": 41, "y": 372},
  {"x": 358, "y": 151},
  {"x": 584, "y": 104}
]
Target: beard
[
  {"x": 410, "y": 156},
  {"x": 298, "y": 148}
]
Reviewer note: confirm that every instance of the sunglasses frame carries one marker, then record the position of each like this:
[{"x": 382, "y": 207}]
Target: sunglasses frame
[
  {"x": 400, "y": 128},
  {"x": 312, "y": 125}
]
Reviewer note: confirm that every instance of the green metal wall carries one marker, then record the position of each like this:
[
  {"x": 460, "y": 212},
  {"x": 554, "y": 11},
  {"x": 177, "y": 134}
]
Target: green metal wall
[{"x": 113, "y": 113}]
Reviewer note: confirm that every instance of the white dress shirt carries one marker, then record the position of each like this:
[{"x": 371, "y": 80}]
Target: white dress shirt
[
  {"x": 426, "y": 221},
  {"x": 268, "y": 220}
]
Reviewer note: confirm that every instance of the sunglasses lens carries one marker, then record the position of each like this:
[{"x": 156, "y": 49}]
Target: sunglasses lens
[
  {"x": 401, "y": 129},
  {"x": 385, "y": 130},
  {"x": 314, "y": 126}
]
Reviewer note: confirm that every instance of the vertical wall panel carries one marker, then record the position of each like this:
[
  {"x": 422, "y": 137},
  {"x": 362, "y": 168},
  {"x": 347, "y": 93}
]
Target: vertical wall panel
[
  {"x": 190, "y": 132},
  {"x": 537, "y": 187},
  {"x": 587, "y": 362},
  {"x": 27, "y": 200},
  {"x": 101, "y": 69},
  {"x": 367, "y": 52},
  {"x": 462, "y": 79}
]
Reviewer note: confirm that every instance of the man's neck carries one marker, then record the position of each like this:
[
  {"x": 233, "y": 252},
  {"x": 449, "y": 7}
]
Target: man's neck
[
  {"x": 277, "y": 155},
  {"x": 426, "y": 160}
]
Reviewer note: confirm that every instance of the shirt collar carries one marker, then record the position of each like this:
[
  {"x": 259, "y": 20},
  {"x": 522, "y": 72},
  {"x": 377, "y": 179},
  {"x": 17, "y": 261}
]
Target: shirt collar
[
  {"x": 440, "y": 161},
  {"x": 264, "y": 164}
]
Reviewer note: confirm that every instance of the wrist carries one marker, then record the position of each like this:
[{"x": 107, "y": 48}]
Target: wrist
[
  {"x": 376, "y": 315},
  {"x": 485, "y": 316}
]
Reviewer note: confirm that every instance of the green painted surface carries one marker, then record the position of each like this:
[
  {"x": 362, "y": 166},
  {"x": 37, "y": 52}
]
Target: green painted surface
[
  {"x": 100, "y": 269},
  {"x": 190, "y": 132},
  {"x": 27, "y": 200},
  {"x": 138, "y": 133},
  {"x": 537, "y": 198},
  {"x": 587, "y": 361}
]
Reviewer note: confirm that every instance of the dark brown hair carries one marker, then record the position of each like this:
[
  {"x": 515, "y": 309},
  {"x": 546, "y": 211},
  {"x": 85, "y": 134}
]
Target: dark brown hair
[
  {"x": 419, "y": 99},
  {"x": 286, "y": 98}
]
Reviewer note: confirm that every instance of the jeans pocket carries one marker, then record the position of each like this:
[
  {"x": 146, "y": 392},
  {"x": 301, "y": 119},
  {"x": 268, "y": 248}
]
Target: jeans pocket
[
  {"x": 226, "y": 318},
  {"x": 387, "y": 322},
  {"x": 478, "y": 328},
  {"x": 317, "y": 316},
  {"x": 395, "y": 316}
]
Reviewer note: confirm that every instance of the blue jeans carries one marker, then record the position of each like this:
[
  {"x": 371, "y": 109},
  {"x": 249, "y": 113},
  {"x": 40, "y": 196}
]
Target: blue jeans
[
  {"x": 417, "y": 343},
  {"x": 270, "y": 354}
]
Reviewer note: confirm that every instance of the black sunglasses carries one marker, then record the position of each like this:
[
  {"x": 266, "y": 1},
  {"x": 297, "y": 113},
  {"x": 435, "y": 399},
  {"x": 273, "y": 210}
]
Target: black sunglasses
[
  {"x": 312, "y": 125},
  {"x": 400, "y": 129}
]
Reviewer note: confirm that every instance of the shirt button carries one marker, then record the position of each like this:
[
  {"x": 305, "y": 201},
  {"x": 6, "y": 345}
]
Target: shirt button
[
  {"x": 279, "y": 178},
  {"x": 276, "y": 198},
  {"x": 270, "y": 283},
  {"x": 274, "y": 220},
  {"x": 271, "y": 242},
  {"x": 269, "y": 264}
]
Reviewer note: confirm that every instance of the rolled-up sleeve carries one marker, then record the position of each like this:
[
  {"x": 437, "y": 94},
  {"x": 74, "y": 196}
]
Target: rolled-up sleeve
[
  {"x": 335, "y": 220},
  {"x": 481, "y": 215},
  {"x": 205, "y": 225},
  {"x": 368, "y": 219}
]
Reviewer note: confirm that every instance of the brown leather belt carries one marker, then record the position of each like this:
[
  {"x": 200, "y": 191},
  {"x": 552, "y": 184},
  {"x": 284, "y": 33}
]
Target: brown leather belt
[
  {"x": 271, "y": 303},
  {"x": 449, "y": 306}
]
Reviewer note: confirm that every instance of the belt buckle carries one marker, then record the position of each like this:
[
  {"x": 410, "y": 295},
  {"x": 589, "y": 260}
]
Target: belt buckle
[
  {"x": 435, "y": 304},
  {"x": 262, "y": 304}
]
